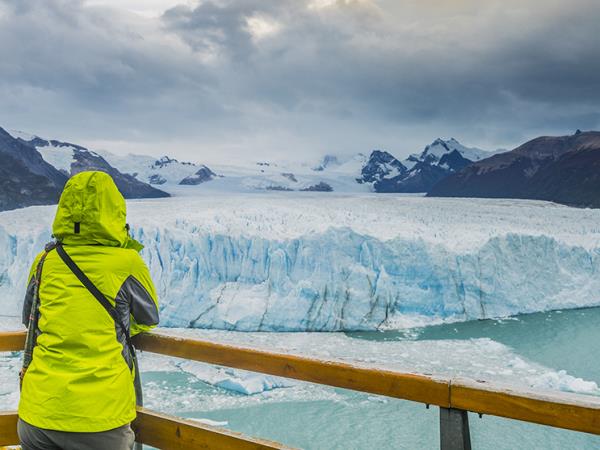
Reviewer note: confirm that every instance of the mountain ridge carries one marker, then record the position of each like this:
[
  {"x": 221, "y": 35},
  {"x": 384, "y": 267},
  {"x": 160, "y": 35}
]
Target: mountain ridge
[{"x": 564, "y": 169}]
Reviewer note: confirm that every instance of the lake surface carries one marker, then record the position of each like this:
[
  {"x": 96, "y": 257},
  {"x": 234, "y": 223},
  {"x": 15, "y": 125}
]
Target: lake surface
[{"x": 315, "y": 417}]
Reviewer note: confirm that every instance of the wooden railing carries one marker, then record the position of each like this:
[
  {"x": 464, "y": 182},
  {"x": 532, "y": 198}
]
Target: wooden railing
[{"x": 454, "y": 396}]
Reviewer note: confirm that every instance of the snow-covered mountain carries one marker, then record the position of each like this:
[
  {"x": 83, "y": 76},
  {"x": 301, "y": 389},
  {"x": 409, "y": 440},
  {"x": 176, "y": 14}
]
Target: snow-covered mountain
[
  {"x": 327, "y": 161},
  {"x": 134, "y": 174},
  {"x": 203, "y": 175},
  {"x": 419, "y": 172},
  {"x": 164, "y": 171},
  {"x": 70, "y": 159},
  {"x": 180, "y": 178},
  {"x": 138, "y": 169},
  {"x": 380, "y": 172},
  {"x": 440, "y": 149},
  {"x": 332, "y": 173},
  {"x": 381, "y": 166}
]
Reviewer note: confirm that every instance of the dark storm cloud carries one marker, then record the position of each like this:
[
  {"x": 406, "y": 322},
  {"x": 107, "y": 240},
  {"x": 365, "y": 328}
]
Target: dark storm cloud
[
  {"x": 64, "y": 63},
  {"x": 352, "y": 56},
  {"x": 289, "y": 75}
]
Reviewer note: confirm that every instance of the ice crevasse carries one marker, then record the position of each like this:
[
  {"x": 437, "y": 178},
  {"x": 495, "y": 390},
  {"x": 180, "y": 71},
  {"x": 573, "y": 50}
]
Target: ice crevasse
[{"x": 339, "y": 275}]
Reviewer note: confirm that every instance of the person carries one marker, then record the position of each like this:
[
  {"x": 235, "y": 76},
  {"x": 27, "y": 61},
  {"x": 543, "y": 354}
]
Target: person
[{"x": 78, "y": 389}]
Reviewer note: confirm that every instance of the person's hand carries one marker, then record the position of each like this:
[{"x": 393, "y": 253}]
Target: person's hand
[{"x": 21, "y": 376}]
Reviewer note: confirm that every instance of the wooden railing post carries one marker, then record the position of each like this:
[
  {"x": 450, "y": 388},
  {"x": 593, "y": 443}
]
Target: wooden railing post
[{"x": 454, "y": 429}]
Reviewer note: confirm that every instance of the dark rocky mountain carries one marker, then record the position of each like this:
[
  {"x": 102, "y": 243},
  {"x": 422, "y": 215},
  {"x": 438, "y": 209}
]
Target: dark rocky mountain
[
  {"x": 165, "y": 161},
  {"x": 290, "y": 176},
  {"x": 564, "y": 169},
  {"x": 319, "y": 187},
  {"x": 380, "y": 166},
  {"x": 454, "y": 161},
  {"x": 156, "y": 179},
  {"x": 30, "y": 157},
  {"x": 417, "y": 179},
  {"x": 438, "y": 160},
  {"x": 201, "y": 176},
  {"x": 25, "y": 178}
]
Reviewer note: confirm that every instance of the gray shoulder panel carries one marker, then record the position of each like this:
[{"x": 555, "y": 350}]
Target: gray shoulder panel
[{"x": 135, "y": 299}]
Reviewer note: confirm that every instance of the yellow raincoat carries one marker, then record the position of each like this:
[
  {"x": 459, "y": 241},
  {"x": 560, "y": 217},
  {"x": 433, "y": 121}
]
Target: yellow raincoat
[{"x": 81, "y": 375}]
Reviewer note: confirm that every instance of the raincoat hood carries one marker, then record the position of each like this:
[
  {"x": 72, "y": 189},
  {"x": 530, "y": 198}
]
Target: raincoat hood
[{"x": 92, "y": 211}]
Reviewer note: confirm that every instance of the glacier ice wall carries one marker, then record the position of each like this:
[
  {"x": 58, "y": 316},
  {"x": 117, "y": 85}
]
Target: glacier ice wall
[{"x": 336, "y": 279}]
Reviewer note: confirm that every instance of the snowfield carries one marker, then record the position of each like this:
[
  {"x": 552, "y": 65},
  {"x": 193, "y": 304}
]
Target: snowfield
[{"x": 329, "y": 262}]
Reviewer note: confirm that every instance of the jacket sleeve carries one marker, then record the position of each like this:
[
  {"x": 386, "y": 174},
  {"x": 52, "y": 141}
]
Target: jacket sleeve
[
  {"x": 29, "y": 292},
  {"x": 143, "y": 302}
]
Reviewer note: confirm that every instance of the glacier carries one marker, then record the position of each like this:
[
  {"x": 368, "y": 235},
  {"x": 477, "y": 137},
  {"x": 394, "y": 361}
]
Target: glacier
[{"x": 341, "y": 262}]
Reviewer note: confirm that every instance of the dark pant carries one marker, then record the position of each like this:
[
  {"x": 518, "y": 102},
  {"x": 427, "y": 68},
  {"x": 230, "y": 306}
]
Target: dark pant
[{"x": 34, "y": 438}]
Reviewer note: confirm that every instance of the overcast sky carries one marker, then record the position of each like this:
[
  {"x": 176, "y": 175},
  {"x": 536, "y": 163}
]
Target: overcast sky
[{"x": 219, "y": 80}]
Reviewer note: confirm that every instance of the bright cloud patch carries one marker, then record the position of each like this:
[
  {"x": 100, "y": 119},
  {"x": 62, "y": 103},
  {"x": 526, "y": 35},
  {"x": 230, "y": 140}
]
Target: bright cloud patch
[{"x": 261, "y": 27}]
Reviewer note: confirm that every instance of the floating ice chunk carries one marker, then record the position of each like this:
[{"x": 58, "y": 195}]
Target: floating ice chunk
[
  {"x": 212, "y": 423},
  {"x": 235, "y": 380},
  {"x": 252, "y": 384},
  {"x": 241, "y": 381},
  {"x": 562, "y": 381}
]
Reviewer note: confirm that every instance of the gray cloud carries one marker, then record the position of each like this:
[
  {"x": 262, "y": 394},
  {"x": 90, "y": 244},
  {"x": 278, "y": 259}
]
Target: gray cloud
[{"x": 257, "y": 78}]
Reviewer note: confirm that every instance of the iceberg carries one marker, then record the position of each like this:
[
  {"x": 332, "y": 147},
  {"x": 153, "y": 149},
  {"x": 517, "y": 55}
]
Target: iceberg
[{"x": 346, "y": 262}]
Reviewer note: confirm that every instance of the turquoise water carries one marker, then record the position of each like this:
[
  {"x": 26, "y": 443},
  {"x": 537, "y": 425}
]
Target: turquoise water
[{"x": 567, "y": 340}]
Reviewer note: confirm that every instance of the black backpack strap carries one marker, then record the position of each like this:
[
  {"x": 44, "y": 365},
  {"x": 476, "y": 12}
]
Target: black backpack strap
[{"x": 110, "y": 309}]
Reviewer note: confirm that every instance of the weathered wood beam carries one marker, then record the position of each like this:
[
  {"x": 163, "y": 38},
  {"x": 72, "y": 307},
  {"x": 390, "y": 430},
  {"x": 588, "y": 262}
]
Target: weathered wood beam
[
  {"x": 557, "y": 409},
  {"x": 172, "y": 433},
  {"x": 165, "y": 432},
  {"x": 8, "y": 428},
  {"x": 12, "y": 341}
]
